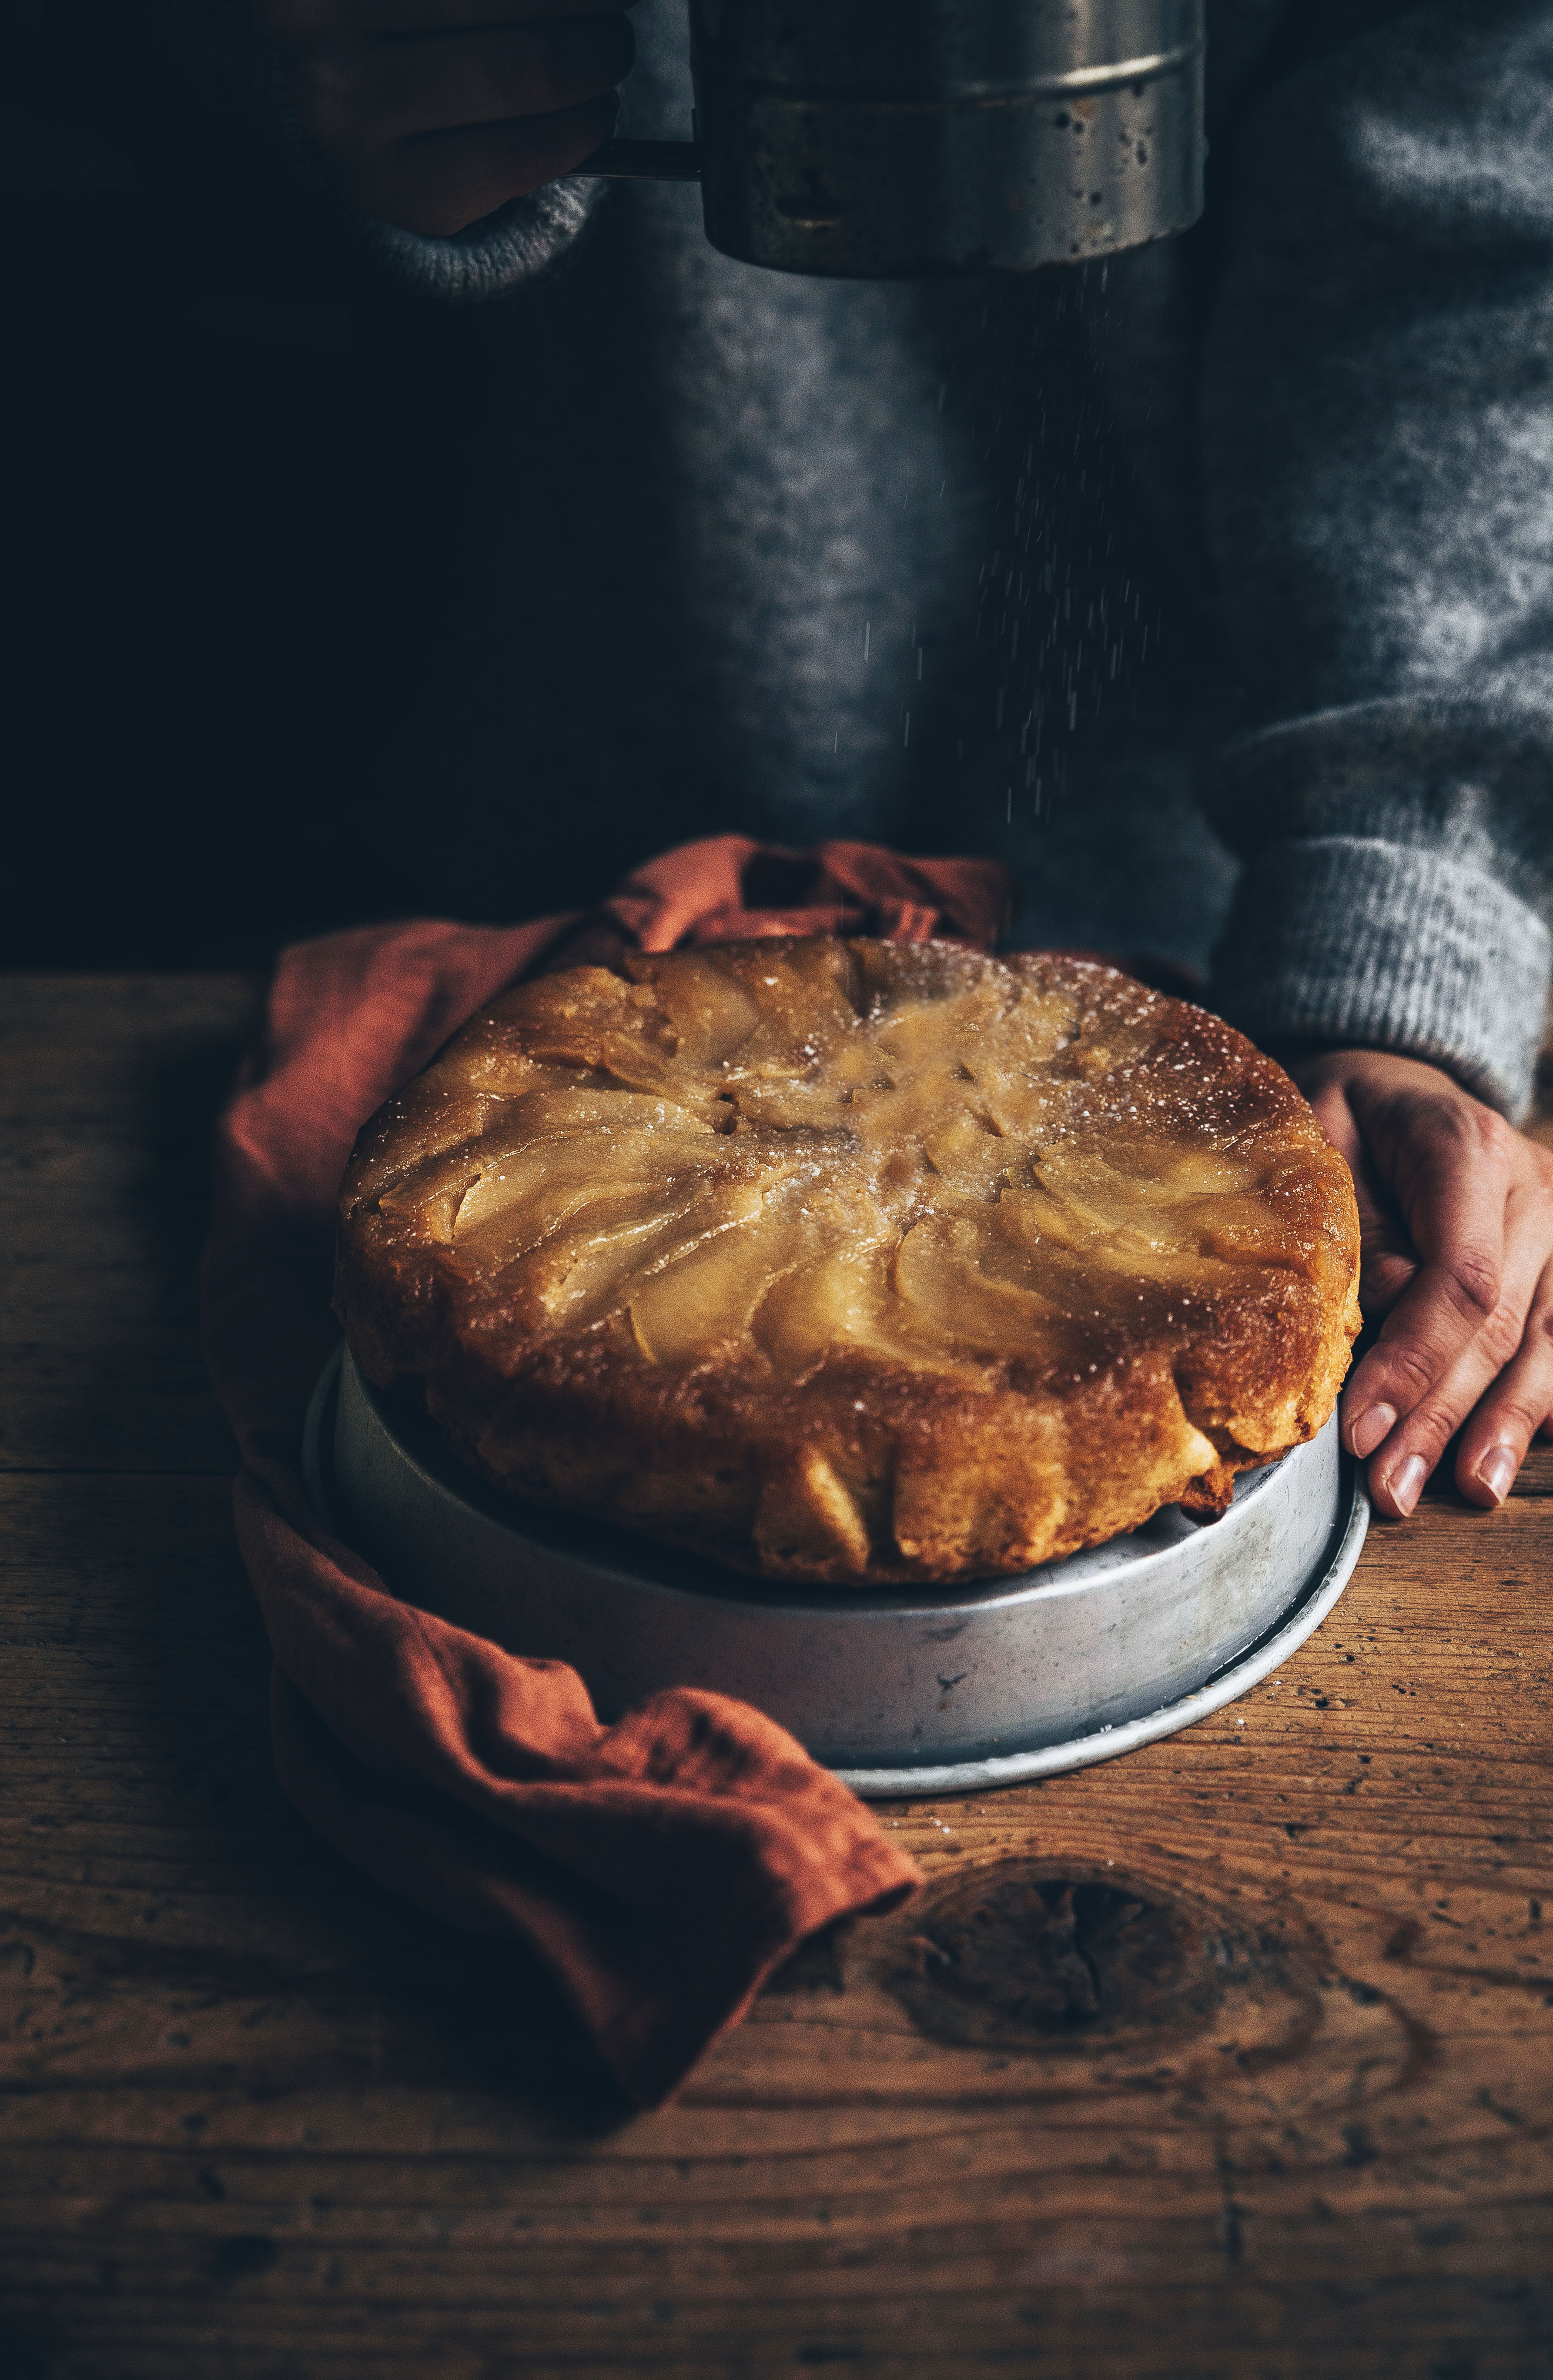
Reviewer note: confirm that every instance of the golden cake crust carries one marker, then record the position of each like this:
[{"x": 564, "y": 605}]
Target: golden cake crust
[{"x": 853, "y": 1262}]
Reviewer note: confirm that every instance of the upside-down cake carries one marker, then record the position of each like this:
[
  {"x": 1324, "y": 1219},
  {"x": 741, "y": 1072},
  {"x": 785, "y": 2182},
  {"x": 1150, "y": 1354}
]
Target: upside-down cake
[{"x": 853, "y": 1262}]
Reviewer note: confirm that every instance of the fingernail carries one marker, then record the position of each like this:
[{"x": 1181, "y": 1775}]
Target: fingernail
[
  {"x": 1496, "y": 1472},
  {"x": 1406, "y": 1483},
  {"x": 1370, "y": 1428}
]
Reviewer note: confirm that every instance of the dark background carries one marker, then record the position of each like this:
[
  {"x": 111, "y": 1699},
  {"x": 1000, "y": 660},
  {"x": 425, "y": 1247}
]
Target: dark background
[
  {"x": 226, "y": 520},
  {"x": 206, "y": 582}
]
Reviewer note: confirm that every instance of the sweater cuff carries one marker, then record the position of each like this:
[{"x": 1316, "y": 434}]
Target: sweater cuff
[
  {"x": 525, "y": 238},
  {"x": 1345, "y": 940}
]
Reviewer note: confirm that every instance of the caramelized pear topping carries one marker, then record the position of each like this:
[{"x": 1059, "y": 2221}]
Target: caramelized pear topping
[{"x": 775, "y": 1159}]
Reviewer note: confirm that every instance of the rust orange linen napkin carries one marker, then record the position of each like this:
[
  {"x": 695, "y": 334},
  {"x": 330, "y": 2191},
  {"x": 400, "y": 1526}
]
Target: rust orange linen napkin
[{"x": 663, "y": 1867}]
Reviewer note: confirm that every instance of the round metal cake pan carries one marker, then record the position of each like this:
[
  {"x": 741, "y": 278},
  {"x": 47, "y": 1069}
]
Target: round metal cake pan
[{"x": 935, "y": 1690}]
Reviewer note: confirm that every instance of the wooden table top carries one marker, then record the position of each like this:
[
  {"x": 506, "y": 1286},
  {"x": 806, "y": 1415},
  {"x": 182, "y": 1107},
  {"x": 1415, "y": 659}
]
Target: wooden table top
[{"x": 263, "y": 2121}]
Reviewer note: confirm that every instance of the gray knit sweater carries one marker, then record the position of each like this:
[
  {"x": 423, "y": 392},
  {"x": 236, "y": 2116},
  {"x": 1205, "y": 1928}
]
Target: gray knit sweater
[{"x": 814, "y": 558}]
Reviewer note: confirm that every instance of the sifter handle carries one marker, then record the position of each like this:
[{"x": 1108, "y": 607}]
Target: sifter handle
[{"x": 643, "y": 160}]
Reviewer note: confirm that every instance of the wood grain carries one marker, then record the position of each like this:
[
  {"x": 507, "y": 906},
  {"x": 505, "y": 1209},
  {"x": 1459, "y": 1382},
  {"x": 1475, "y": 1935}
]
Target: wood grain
[
  {"x": 1233, "y": 2058},
  {"x": 107, "y": 1088}
]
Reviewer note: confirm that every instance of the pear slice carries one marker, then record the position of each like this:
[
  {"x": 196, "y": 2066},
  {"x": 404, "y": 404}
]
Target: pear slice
[
  {"x": 842, "y": 1300},
  {"x": 565, "y": 1107},
  {"x": 939, "y": 1038},
  {"x": 423, "y": 1136},
  {"x": 805, "y": 994},
  {"x": 807, "y": 1520},
  {"x": 502, "y": 1153},
  {"x": 936, "y": 1277},
  {"x": 786, "y": 1106},
  {"x": 534, "y": 1191},
  {"x": 581, "y": 1274},
  {"x": 702, "y": 1293},
  {"x": 712, "y": 1011}
]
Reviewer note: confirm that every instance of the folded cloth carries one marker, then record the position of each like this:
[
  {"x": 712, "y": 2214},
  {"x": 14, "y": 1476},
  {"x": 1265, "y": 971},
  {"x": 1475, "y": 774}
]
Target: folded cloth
[{"x": 663, "y": 1866}]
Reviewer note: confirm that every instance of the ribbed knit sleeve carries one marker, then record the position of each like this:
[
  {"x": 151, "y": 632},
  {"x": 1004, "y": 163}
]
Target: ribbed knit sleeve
[
  {"x": 490, "y": 258},
  {"x": 1378, "y": 461}
]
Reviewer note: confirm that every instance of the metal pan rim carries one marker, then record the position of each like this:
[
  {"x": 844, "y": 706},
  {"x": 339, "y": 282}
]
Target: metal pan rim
[
  {"x": 1300, "y": 1620},
  {"x": 1311, "y": 1597},
  {"x": 1073, "y": 1574}
]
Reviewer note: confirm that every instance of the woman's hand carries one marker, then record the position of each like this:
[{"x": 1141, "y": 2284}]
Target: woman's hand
[
  {"x": 438, "y": 112},
  {"x": 1456, "y": 1211}
]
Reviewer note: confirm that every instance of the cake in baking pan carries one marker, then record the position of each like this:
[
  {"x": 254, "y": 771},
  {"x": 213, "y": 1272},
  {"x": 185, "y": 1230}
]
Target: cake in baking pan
[{"x": 853, "y": 1262}]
